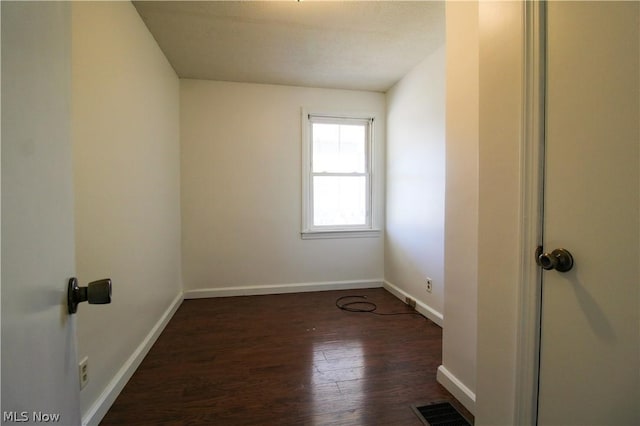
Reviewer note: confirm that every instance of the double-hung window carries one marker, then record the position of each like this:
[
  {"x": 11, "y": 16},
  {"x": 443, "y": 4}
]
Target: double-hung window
[{"x": 337, "y": 183}]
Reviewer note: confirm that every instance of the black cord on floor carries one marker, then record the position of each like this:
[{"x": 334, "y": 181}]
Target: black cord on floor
[{"x": 367, "y": 307}]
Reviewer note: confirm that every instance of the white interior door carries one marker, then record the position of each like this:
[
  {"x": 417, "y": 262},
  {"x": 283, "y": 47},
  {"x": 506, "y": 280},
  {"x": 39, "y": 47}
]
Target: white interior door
[
  {"x": 590, "y": 341},
  {"x": 39, "y": 367}
]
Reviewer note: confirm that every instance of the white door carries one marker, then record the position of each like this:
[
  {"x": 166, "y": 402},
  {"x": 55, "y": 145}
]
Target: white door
[
  {"x": 39, "y": 367},
  {"x": 590, "y": 341}
]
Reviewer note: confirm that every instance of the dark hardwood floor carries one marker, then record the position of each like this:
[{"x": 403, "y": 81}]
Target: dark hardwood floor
[{"x": 290, "y": 359}]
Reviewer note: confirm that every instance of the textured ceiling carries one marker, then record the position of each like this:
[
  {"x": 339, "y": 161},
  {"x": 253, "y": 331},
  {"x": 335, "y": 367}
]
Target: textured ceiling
[{"x": 363, "y": 45}]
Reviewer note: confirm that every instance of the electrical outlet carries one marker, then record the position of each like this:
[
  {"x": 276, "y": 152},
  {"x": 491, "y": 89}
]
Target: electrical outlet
[
  {"x": 429, "y": 284},
  {"x": 83, "y": 368}
]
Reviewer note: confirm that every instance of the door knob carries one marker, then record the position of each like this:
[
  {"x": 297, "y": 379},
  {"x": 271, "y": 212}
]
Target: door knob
[
  {"x": 559, "y": 259},
  {"x": 96, "y": 293}
]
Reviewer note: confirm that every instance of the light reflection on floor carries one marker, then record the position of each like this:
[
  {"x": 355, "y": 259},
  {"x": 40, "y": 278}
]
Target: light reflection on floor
[{"x": 338, "y": 369}]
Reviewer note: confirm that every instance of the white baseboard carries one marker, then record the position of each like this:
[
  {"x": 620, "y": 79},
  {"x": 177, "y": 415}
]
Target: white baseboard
[
  {"x": 281, "y": 288},
  {"x": 457, "y": 388},
  {"x": 421, "y": 307},
  {"x": 100, "y": 407}
]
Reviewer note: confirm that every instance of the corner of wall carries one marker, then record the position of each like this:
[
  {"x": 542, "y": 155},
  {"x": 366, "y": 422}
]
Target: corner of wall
[{"x": 457, "y": 388}]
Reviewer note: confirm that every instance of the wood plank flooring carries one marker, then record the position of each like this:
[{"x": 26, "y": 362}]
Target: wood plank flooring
[{"x": 290, "y": 359}]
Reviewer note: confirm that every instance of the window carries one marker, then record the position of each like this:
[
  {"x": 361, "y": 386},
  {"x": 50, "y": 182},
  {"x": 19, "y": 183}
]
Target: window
[{"x": 337, "y": 188}]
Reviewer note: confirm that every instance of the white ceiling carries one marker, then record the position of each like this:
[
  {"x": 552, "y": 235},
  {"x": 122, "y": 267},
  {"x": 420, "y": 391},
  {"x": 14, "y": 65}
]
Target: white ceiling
[{"x": 361, "y": 45}]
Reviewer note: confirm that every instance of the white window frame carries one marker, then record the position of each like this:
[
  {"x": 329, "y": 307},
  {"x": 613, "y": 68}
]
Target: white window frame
[{"x": 371, "y": 227}]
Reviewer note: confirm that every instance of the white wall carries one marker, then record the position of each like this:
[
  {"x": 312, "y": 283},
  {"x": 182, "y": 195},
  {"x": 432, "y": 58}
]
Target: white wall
[
  {"x": 500, "y": 64},
  {"x": 458, "y": 370},
  {"x": 127, "y": 187},
  {"x": 415, "y": 185},
  {"x": 425, "y": 235},
  {"x": 241, "y": 190}
]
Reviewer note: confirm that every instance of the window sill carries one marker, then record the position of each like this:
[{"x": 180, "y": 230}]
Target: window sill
[{"x": 360, "y": 233}]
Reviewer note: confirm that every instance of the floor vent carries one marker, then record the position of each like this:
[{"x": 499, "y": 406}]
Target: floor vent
[{"x": 440, "y": 414}]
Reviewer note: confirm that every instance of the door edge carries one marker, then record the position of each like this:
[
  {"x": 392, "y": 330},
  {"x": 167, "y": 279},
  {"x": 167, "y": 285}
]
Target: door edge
[{"x": 531, "y": 214}]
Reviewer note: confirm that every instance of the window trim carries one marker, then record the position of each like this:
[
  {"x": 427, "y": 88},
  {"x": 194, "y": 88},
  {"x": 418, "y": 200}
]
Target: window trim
[{"x": 371, "y": 228}]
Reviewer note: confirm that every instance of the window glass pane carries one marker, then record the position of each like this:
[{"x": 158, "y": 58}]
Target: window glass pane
[
  {"x": 339, "y": 200},
  {"x": 339, "y": 148}
]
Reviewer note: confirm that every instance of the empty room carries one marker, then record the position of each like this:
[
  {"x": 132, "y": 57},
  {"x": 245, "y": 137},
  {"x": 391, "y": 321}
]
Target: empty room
[{"x": 319, "y": 212}]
